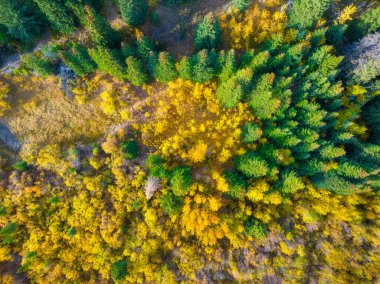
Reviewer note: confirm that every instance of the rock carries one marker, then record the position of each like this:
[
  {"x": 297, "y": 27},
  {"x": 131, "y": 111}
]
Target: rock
[
  {"x": 68, "y": 79},
  {"x": 8, "y": 139}
]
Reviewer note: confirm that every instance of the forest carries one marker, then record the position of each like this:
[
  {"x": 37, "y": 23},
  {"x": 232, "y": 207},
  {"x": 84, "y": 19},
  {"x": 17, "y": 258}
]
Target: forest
[{"x": 190, "y": 141}]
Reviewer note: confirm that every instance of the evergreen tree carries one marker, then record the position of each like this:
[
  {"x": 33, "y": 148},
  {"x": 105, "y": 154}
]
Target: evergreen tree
[
  {"x": 184, "y": 68},
  {"x": 203, "y": 66},
  {"x": 38, "y": 63},
  {"x": 171, "y": 204},
  {"x": 144, "y": 48},
  {"x": 227, "y": 63},
  {"x": 237, "y": 185},
  {"x": 133, "y": 12},
  {"x": 130, "y": 149},
  {"x": 251, "y": 133},
  {"x": 305, "y": 13},
  {"x": 290, "y": 183},
  {"x": 207, "y": 34},
  {"x": 78, "y": 59},
  {"x": 20, "y": 20},
  {"x": 102, "y": 34},
  {"x": 261, "y": 99},
  {"x": 181, "y": 181},
  {"x": 135, "y": 71},
  {"x": 163, "y": 67},
  {"x": 58, "y": 14},
  {"x": 252, "y": 165},
  {"x": 371, "y": 115},
  {"x": 119, "y": 270},
  {"x": 232, "y": 91},
  {"x": 255, "y": 228},
  {"x": 109, "y": 61}
]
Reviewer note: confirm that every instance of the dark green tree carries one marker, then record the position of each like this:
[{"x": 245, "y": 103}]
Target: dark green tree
[
  {"x": 119, "y": 270},
  {"x": 130, "y": 149},
  {"x": 135, "y": 71},
  {"x": 163, "y": 67},
  {"x": 109, "y": 61},
  {"x": 171, "y": 204},
  {"x": 181, "y": 181},
  {"x": 207, "y": 34},
  {"x": 237, "y": 185},
  {"x": 252, "y": 165},
  {"x": 227, "y": 63},
  {"x": 133, "y": 12},
  {"x": 78, "y": 59},
  {"x": 20, "y": 19},
  {"x": 61, "y": 18},
  {"x": 305, "y": 13},
  {"x": 251, "y": 133},
  {"x": 255, "y": 228},
  {"x": 37, "y": 63}
]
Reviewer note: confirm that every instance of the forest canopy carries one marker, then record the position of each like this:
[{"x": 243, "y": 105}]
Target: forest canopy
[{"x": 189, "y": 141}]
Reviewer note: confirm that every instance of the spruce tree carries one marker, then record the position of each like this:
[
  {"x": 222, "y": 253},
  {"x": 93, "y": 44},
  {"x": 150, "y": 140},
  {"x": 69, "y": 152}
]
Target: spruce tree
[
  {"x": 109, "y": 61},
  {"x": 61, "y": 18},
  {"x": 207, "y": 34},
  {"x": 20, "y": 20},
  {"x": 78, "y": 59},
  {"x": 227, "y": 63},
  {"x": 203, "y": 66},
  {"x": 135, "y": 71},
  {"x": 133, "y": 12},
  {"x": 163, "y": 67}
]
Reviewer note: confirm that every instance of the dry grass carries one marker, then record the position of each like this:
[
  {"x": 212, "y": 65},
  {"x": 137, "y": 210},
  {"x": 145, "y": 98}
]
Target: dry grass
[{"x": 42, "y": 114}]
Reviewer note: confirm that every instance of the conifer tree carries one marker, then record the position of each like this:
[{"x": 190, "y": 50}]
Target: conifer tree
[
  {"x": 20, "y": 20},
  {"x": 135, "y": 71},
  {"x": 207, "y": 34},
  {"x": 58, "y": 14},
  {"x": 184, "y": 68},
  {"x": 227, "y": 63},
  {"x": 133, "y": 12},
  {"x": 163, "y": 67},
  {"x": 78, "y": 59},
  {"x": 203, "y": 66},
  {"x": 252, "y": 165},
  {"x": 102, "y": 34},
  {"x": 109, "y": 61},
  {"x": 305, "y": 13}
]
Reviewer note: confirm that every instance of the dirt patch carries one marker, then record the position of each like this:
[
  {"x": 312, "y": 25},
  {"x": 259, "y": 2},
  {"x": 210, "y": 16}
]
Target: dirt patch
[{"x": 175, "y": 25}]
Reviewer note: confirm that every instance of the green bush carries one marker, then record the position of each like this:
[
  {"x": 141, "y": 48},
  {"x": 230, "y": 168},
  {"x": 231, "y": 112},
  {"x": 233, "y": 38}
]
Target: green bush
[
  {"x": 119, "y": 270},
  {"x": 237, "y": 185},
  {"x": 130, "y": 149},
  {"x": 255, "y": 228},
  {"x": 181, "y": 181},
  {"x": 171, "y": 204}
]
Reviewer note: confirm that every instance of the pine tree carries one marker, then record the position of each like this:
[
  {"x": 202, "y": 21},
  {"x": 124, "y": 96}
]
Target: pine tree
[
  {"x": 135, "y": 71},
  {"x": 252, "y": 165},
  {"x": 181, "y": 181},
  {"x": 237, "y": 185},
  {"x": 58, "y": 14},
  {"x": 20, "y": 20},
  {"x": 305, "y": 13},
  {"x": 38, "y": 63},
  {"x": 290, "y": 182},
  {"x": 109, "y": 61},
  {"x": 227, "y": 63},
  {"x": 184, "y": 68},
  {"x": 251, "y": 133},
  {"x": 234, "y": 90},
  {"x": 102, "y": 34},
  {"x": 144, "y": 48},
  {"x": 203, "y": 66},
  {"x": 163, "y": 67},
  {"x": 133, "y": 12},
  {"x": 171, "y": 204},
  {"x": 207, "y": 34},
  {"x": 78, "y": 59}
]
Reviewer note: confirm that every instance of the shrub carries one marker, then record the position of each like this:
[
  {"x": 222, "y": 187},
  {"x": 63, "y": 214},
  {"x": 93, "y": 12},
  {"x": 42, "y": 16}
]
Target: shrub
[
  {"x": 119, "y": 270},
  {"x": 237, "y": 185},
  {"x": 255, "y": 228},
  {"x": 171, "y": 204},
  {"x": 130, "y": 149}
]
